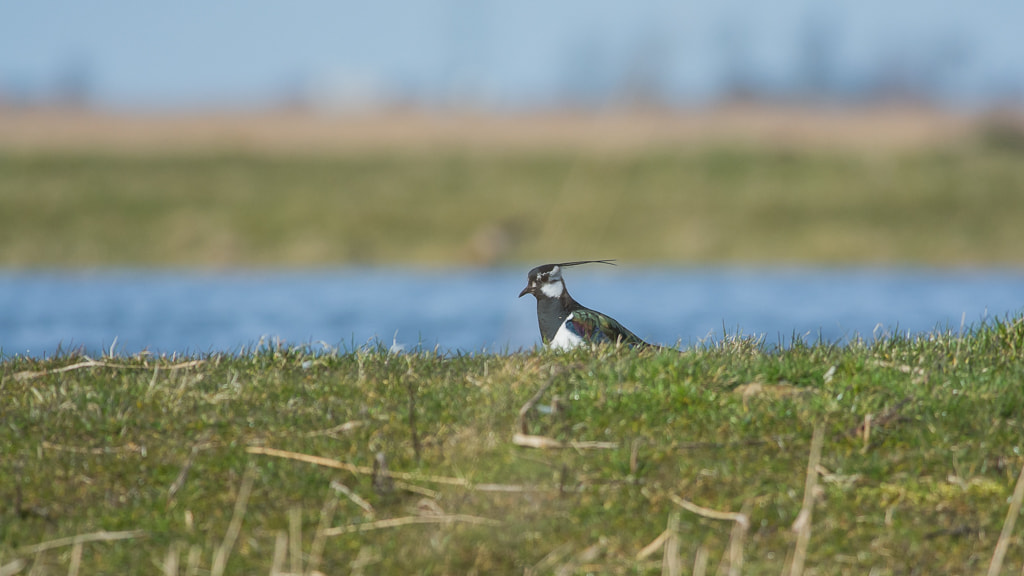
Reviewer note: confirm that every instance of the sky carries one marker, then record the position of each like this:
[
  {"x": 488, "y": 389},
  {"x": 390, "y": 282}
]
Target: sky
[{"x": 125, "y": 54}]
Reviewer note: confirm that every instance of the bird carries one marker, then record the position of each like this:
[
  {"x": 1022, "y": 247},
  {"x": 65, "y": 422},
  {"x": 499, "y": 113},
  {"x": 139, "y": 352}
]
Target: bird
[{"x": 565, "y": 323}]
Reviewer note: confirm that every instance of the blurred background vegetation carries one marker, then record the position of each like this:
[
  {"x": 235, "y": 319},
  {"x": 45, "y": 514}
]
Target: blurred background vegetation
[
  {"x": 434, "y": 134},
  {"x": 957, "y": 206}
]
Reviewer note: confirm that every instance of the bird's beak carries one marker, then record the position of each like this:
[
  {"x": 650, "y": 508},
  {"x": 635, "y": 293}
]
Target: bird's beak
[{"x": 525, "y": 291}]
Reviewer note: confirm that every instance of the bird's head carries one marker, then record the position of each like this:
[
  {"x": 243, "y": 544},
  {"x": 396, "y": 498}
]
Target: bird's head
[{"x": 545, "y": 281}]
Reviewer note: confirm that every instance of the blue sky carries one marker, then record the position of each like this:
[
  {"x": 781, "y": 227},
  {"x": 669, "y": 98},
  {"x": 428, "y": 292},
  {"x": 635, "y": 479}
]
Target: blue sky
[{"x": 193, "y": 54}]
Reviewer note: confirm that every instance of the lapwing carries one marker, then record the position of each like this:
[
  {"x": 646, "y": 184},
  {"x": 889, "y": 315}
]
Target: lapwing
[{"x": 565, "y": 323}]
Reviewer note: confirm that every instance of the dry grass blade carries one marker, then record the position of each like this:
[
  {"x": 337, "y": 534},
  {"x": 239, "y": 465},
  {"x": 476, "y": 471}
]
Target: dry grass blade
[
  {"x": 700, "y": 561},
  {"x": 592, "y": 445},
  {"x": 295, "y": 539},
  {"x": 736, "y": 539},
  {"x": 520, "y": 488},
  {"x": 416, "y": 489},
  {"x": 318, "y": 460},
  {"x": 192, "y": 560},
  {"x": 410, "y": 520},
  {"x": 220, "y": 558},
  {"x": 368, "y": 471},
  {"x": 76, "y": 559},
  {"x": 550, "y": 559},
  {"x": 904, "y": 368},
  {"x": 653, "y": 547},
  {"x": 346, "y": 427},
  {"x": 363, "y": 470},
  {"x": 12, "y": 568},
  {"x": 708, "y": 512},
  {"x": 585, "y": 556},
  {"x": 316, "y": 550},
  {"x": 738, "y": 535},
  {"x": 103, "y": 536},
  {"x": 172, "y": 559},
  {"x": 546, "y": 443},
  {"x": 125, "y": 449},
  {"x": 802, "y": 524},
  {"x": 30, "y": 374},
  {"x": 755, "y": 389},
  {"x": 355, "y": 498},
  {"x": 671, "y": 564},
  {"x": 573, "y": 564},
  {"x": 634, "y": 456},
  {"x": 996, "y": 564},
  {"x": 179, "y": 482},
  {"x": 280, "y": 550},
  {"x": 534, "y": 441}
]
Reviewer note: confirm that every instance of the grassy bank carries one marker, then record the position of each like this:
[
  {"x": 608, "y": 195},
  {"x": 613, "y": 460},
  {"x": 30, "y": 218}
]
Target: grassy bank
[
  {"x": 272, "y": 460},
  {"x": 951, "y": 207}
]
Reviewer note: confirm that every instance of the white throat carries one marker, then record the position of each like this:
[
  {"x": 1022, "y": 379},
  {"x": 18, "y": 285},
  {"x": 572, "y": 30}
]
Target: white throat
[{"x": 552, "y": 289}]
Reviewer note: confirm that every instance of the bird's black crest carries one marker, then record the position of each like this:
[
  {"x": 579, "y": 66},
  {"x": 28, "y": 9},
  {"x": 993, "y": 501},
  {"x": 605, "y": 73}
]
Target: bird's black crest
[
  {"x": 549, "y": 267},
  {"x": 578, "y": 262}
]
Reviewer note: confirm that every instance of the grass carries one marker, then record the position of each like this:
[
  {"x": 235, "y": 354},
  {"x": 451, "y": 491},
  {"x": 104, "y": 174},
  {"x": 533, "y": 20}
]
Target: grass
[
  {"x": 297, "y": 459},
  {"x": 960, "y": 205}
]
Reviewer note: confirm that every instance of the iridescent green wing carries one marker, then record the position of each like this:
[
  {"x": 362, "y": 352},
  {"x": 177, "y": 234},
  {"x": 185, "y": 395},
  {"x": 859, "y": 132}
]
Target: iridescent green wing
[{"x": 593, "y": 326}]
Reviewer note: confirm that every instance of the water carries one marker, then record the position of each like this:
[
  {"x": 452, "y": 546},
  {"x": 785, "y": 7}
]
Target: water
[{"x": 477, "y": 309}]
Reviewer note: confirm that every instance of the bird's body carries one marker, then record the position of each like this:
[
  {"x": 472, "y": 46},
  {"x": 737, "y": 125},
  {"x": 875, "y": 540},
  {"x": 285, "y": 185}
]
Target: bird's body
[{"x": 565, "y": 323}]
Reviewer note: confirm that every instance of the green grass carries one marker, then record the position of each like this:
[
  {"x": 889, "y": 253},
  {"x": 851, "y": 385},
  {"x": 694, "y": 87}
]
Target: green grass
[
  {"x": 956, "y": 206},
  {"x": 164, "y": 446}
]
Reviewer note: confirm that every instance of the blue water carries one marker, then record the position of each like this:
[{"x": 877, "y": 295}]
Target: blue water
[{"x": 477, "y": 309}]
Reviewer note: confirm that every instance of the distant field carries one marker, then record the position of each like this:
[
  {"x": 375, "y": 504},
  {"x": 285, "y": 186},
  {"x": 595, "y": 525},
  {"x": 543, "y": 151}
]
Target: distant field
[
  {"x": 606, "y": 131},
  {"x": 452, "y": 203}
]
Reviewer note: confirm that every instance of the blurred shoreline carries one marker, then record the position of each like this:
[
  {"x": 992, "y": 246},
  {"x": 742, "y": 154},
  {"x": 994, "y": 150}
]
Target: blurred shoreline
[{"x": 869, "y": 129}]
